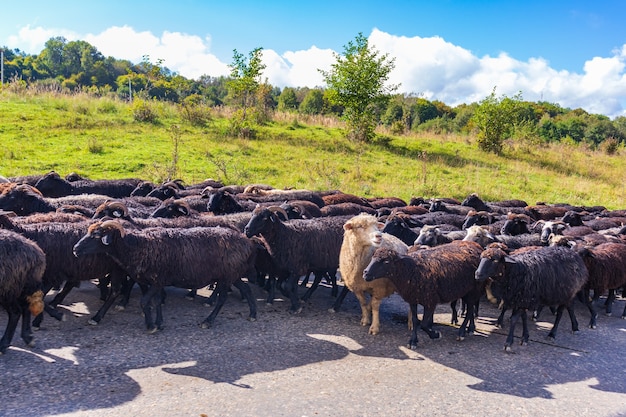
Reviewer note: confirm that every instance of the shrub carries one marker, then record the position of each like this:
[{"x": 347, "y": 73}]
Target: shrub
[
  {"x": 143, "y": 111},
  {"x": 609, "y": 146}
]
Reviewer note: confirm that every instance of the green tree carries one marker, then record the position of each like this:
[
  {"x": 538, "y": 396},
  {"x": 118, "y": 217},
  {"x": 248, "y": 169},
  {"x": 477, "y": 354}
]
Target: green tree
[
  {"x": 313, "y": 102},
  {"x": 245, "y": 79},
  {"x": 287, "y": 100},
  {"x": 495, "y": 120},
  {"x": 357, "y": 81}
]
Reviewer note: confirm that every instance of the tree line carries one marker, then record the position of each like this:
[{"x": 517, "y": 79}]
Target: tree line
[{"x": 356, "y": 91}]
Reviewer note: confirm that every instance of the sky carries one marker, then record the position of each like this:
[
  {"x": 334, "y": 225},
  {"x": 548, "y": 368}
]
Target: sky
[{"x": 572, "y": 53}]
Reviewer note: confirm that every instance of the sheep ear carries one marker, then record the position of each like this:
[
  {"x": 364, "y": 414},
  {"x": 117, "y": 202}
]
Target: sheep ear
[
  {"x": 183, "y": 210},
  {"x": 106, "y": 239},
  {"x": 117, "y": 213},
  {"x": 347, "y": 226},
  {"x": 380, "y": 225},
  {"x": 509, "y": 259}
]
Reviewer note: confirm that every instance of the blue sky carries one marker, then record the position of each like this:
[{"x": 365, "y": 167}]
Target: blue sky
[{"x": 568, "y": 52}]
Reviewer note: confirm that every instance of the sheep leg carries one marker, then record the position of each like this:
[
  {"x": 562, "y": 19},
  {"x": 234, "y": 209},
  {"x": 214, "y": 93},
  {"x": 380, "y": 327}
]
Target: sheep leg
[
  {"x": 525, "y": 333},
  {"x": 572, "y": 317},
  {"x": 468, "y": 322},
  {"x": 270, "y": 286},
  {"x": 584, "y": 298},
  {"x": 127, "y": 286},
  {"x": 413, "y": 341},
  {"x": 147, "y": 300},
  {"x": 559, "y": 314},
  {"x": 609, "y": 302},
  {"x": 103, "y": 286},
  {"x": 366, "y": 308},
  {"x": 427, "y": 323},
  {"x": 246, "y": 292},
  {"x": 313, "y": 287},
  {"x": 500, "y": 321},
  {"x": 27, "y": 334},
  {"x": 60, "y": 296},
  {"x": 455, "y": 313},
  {"x": 222, "y": 295},
  {"x": 332, "y": 280},
  {"x": 117, "y": 286},
  {"x": 375, "y": 309},
  {"x": 14, "y": 316},
  {"x": 337, "y": 304},
  {"x": 509, "y": 339},
  {"x": 290, "y": 285}
]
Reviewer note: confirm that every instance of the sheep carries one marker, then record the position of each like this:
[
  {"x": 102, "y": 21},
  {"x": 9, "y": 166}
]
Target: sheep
[
  {"x": 52, "y": 185},
  {"x": 361, "y": 237},
  {"x": 346, "y": 209},
  {"x": 403, "y": 226},
  {"x": 438, "y": 205},
  {"x": 484, "y": 238},
  {"x": 186, "y": 258},
  {"x": 607, "y": 270},
  {"x": 22, "y": 264},
  {"x": 432, "y": 236},
  {"x": 502, "y": 207},
  {"x": 301, "y": 209},
  {"x": 429, "y": 277},
  {"x": 515, "y": 224},
  {"x": 340, "y": 197},
  {"x": 550, "y": 276},
  {"x": 386, "y": 202},
  {"x": 298, "y": 246},
  {"x": 56, "y": 240},
  {"x": 478, "y": 218}
]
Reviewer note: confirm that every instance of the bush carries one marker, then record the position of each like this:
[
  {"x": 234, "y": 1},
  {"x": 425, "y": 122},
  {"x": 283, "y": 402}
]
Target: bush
[
  {"x": 143, "y": 111},
  {"x": 609, "y": 146}
]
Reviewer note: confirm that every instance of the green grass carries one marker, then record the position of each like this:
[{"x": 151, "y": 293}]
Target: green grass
[{"x": 99, "y": 138}]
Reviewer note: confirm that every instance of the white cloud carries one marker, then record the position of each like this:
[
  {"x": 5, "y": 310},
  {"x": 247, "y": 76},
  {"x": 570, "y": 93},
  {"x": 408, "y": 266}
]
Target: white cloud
[{"x": 437, "y": 69}]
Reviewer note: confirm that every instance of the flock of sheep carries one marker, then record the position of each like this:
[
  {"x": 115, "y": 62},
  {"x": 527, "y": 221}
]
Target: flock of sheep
[{"x": 56, "y": 232}]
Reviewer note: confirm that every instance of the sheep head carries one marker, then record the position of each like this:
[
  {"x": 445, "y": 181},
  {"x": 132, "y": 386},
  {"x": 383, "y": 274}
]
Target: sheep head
[
  {"x": 115, "y": 209},
  {"x": 99, "y": 238},
  {"x": 492, "y": 262},
  {"x": 364, "y": 230}
]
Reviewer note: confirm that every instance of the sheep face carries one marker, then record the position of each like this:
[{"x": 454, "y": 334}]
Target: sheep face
[
  {"x": 99, "y": 238},
  {"x": 514, "y": 225},
  {"x": 552, "y": 227},
  {"x": 365, "y": 228},
  {"x": 429, "y": 236},
  {"x": 262, "y": 220},
  {"x": 171, "y": 208},
  {"x": 491, "y": 265},
  {"x": 380, "y": 265},
  {"x": 479, "y": 235},
  {"x": 478, "y": 218}
]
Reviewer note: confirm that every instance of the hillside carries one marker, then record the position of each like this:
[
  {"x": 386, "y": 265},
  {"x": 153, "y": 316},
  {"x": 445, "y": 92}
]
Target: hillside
[{"x": 99, "y": 138}]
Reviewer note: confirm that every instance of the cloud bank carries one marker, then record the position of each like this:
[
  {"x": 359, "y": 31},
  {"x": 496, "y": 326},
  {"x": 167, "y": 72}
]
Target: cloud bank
[{"x": 430, "y": 67}]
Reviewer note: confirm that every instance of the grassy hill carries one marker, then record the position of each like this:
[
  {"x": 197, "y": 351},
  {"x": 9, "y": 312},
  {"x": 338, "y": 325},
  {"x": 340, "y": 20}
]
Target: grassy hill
[{"x": 99, "y": 138}]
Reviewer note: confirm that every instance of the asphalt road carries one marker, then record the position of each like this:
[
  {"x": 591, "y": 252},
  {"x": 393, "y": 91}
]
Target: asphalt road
[{"x": 313, "y": 364}]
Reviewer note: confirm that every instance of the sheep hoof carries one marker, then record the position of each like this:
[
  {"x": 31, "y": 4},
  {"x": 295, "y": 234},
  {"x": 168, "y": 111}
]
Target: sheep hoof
[
  {"x": 412, "y": 346},
  {"x": 332, "y": 310},
  {"x": 460, "y": 338},
  {"x": 31, "y": 344},
  {"x": 608, "y": 314},
  {"x": 508, "y": 349},
  {"x": 205, "y": 325},
  {"x": 92, "y": 322},
  {"x": 35, "y": 328},
  {"x": 63, "y": 317},
  {"x": 296, "y": 311},
  {"x": 252, "y": 319},
  {"x": 434, "y": 335},
  {"x": 374, "y": 332},
  {"x": 119, "y": 308},
  {"x": 624, "y": 317},
  {"x": 524, "y": 342},
  {"x": 153, "y": 330},
  {"x": 593, "y": 326}
]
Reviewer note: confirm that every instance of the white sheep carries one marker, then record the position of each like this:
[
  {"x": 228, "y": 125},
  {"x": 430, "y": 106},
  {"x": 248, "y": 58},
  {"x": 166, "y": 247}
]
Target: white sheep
[{"x": 362, "y": 236}]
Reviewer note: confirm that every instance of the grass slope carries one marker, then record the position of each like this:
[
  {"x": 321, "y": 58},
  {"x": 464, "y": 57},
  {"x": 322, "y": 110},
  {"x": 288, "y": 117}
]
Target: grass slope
[{"x": 99, "y": 138}]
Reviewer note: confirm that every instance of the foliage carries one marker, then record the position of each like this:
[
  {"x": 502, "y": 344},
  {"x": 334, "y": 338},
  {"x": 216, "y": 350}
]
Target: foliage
[
  {"x": 245, "y": 80},
  {"x": 357, "y": 81},
  {"x": 144, "y": 111},
  {"x": 495, "y": 120},
  {"x": 195, "y": 111},
  {"x": 313, "y": 102},
  {"x": 287, "y": 100}
]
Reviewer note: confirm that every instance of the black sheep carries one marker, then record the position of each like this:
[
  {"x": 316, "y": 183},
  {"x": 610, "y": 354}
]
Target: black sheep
[
  {"x": 52, "y": 185},
  {"x": 298, "y": 246},
  {"x": 607, "y": 270},
  {"x": 22, "y": 264},
  {"x": 429, "y": 277},
  {"x": 549, "y": 276},
  {"x": 186, "y": 258}
]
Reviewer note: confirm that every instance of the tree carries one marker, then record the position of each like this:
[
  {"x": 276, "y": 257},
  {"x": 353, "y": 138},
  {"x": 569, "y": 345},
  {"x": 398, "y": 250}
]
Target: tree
[
  {"x": 245, "y": 79},
  {"x": 287, "y": 100},
  {"x": 357, "y": 81},
  {"x": 313, "y": 102},
  {"x": 495, "y": 120}
]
